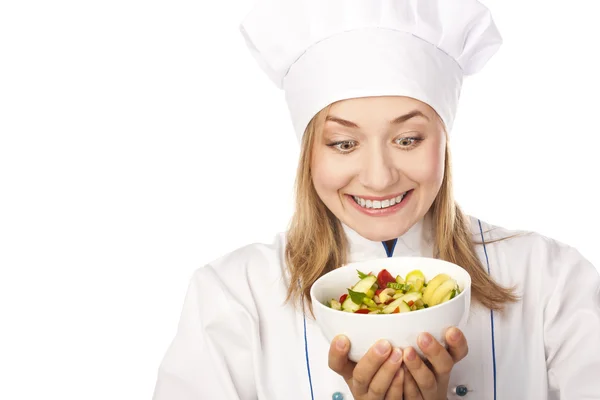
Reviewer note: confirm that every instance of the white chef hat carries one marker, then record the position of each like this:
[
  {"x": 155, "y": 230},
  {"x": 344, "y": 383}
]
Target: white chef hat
[{"x": 323, "y": 51}]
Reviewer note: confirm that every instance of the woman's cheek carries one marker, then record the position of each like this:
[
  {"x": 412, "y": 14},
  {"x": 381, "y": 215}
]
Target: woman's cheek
[
  {"x": 426, "y": 168},
  {"x": 330, "y": 174}
]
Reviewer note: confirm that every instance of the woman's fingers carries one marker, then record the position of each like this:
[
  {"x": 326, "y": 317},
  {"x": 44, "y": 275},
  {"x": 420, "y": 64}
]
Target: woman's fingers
[
  {"x": 457, "y": 344},
  {"x": 338, "y": 358},
  {"x": 375, "y": 376},
  {"x": 381, "y": 384},
  {"x": 440, "y": 359},
  {"x": 411, "y": 389},
  {"x": 425, "y": 379},
  {"x": 396, "y": 390},
  {"x": 381, "y": 375},
  {"x": 367, "y": 367}
]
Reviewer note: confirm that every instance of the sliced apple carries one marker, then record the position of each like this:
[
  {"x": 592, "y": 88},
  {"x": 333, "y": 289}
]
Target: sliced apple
[
  {"x": 412, "y": 296},
  {"x": 386, "y": 294},
  {"x": 335, "y": 304},
  {"x": 417, "y": 285},
  {"x": 404, "y": 307},
  {"x": 443, "y": 291},
  {"x": 390, "y": 308},
  {"x": 447, "y": 298},
  {"x": 432, "y": 286}
]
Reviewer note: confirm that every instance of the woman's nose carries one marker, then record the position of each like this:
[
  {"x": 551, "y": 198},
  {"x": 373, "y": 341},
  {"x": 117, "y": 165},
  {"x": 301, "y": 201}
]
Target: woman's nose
[{"x": 378, "y": 172}]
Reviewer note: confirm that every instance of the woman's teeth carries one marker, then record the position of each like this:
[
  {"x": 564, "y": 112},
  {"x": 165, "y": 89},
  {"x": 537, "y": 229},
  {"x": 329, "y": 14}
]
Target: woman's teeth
[{"x": 379, "y": 204}]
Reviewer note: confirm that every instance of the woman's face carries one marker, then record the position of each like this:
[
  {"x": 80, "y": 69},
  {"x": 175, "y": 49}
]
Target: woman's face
[{"x": 378, "y": 164}]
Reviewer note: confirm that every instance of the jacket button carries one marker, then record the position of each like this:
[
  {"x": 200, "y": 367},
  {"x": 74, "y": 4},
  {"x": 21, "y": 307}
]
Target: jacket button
[
  {"x": 337, "y": 396},
  {"x": 461, "y": 390}
]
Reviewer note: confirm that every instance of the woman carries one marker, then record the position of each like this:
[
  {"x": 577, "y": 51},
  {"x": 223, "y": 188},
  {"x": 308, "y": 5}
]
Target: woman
[{"x": 373, "y": 89}]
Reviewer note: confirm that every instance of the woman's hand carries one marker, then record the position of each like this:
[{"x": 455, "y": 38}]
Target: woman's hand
[
  {"x": 423, "y": 382},
  {"x": 377, "y": 375}
]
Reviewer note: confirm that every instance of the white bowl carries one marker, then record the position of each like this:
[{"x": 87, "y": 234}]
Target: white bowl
[{"x": 401, "y": 330}]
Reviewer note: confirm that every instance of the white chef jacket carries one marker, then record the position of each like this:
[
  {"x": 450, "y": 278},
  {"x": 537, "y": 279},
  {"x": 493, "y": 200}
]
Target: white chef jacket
[{"x": 237, "y": 340}]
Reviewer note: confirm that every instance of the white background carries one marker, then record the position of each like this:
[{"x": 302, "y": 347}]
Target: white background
[{"x": 134, "y": 142}]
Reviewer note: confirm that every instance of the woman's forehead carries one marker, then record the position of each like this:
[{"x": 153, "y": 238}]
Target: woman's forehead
[
  {"x": 380, "y": 109},
  {"x": 392, "y": 103}
]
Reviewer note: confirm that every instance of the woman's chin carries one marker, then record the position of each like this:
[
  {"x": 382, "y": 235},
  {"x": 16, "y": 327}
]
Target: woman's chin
[{"x": 379, "y": 232}]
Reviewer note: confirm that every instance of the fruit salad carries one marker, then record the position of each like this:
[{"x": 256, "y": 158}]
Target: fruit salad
[{"x": 384, "y": 294}]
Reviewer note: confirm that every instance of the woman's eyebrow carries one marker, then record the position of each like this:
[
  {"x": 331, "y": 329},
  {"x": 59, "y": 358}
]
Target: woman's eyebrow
[
  {"x": 398, "y": 120},
  {"x": 406, "y": 117},
  {"x": 341, "y": 121}
]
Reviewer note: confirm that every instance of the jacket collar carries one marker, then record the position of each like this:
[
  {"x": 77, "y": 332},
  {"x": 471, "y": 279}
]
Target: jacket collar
[{"x": 417, "y": 241}]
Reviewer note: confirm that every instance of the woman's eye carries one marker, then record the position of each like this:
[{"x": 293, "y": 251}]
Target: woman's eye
[
  {"x": 343, "y": 146},
  {"x": 406, "y": 142},
  {"x": 409, "y": 143}
]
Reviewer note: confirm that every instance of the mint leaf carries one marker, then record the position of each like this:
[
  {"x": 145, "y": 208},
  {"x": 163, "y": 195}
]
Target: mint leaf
[
  {"x": 362, "y": 275},
  {"x": 357, "y": 297}
]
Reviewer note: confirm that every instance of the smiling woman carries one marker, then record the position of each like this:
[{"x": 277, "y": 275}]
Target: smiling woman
[
  {"x": 373, "y": 89},
  {"x": 392, "y": 150}
]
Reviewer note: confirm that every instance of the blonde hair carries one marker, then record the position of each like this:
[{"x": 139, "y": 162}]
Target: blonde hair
[{"x": 316, "y": 242}]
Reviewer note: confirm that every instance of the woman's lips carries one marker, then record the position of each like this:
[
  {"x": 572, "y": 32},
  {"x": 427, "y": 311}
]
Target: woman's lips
[{"x": 380, "y": 212}]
